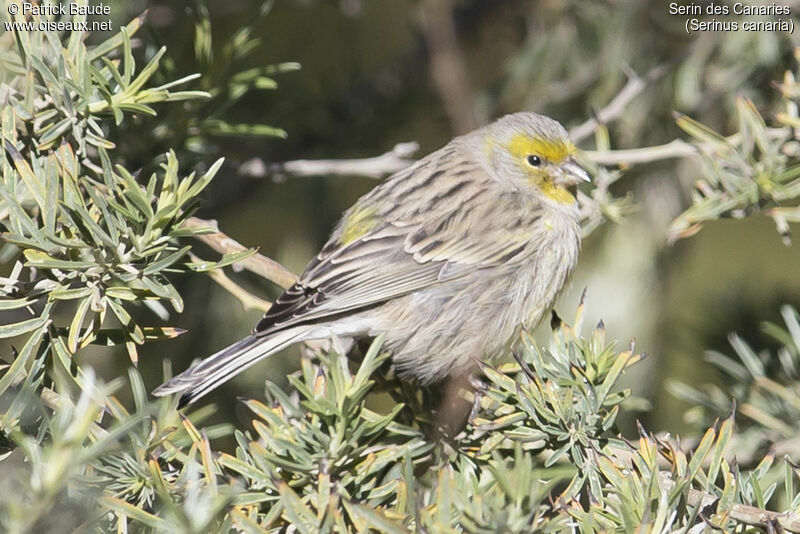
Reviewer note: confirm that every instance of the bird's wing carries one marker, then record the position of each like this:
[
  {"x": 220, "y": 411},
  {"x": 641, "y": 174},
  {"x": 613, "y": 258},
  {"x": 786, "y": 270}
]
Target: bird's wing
[{"x": 434, "y": 234}]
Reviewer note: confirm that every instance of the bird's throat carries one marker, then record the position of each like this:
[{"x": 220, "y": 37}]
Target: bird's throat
[{"x": 560, "y": 194}]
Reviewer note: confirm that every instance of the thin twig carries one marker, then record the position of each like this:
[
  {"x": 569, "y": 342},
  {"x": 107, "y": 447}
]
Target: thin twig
[
  {"x": 257, "y": 263},
  {"x": 617, "y": 106},
  {"x": 749, "y": 515},
  {"x": 395, "y": 160},
  {"x": 248, "y": 300},
  {"x": 398, "y": 158},
  {"x": 676, "y": 148}
]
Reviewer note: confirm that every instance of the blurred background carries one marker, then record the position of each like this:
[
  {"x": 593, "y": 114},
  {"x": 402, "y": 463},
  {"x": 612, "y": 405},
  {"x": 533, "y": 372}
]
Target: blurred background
[{"x": 374, "y": 73}]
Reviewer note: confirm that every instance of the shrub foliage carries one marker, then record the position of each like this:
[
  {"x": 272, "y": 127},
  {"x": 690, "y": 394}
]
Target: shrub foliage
[{"x": 87, "y": 242}]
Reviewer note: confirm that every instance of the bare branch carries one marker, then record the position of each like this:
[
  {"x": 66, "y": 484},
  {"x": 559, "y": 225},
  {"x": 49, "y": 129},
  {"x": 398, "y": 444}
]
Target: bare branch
[
  {"x": 676, "y": 148},
  {"x": 618, "y": 104},
  {"x": 749, "y": 515},
  {"x": 248, "y": 300},
  {"x": 395, "y": 160},
  {"x": 447, "y": 65},
  {"x": 400, "y": 156},
  {"x": 257, "y": 263}
]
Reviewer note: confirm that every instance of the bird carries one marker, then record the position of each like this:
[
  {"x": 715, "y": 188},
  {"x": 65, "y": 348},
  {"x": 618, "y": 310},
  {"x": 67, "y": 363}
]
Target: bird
[{"x": 449, "y": 259}]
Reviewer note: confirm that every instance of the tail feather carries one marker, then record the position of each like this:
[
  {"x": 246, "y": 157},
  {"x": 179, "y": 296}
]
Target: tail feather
[{"x": 224, "y": 365}]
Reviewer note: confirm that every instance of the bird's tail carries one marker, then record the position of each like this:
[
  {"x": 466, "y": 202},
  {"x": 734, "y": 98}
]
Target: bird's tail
[{"x": 224, "y": 365}]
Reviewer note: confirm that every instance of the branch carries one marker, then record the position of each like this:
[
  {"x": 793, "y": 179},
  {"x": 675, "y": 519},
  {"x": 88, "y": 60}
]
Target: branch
[
  {"x": 257, "y": 263},
  {"x": 676, "y": 148},
  {"x": 447, "y": 66},
  {"x": 749, "y": 515},
  {"x": 399, "y": 157},
  {"x": 260, "y": 265},
  {"x": 248, "y": 300},
  {"x": 618, "y": 104},
  {"x": 375, "y": 167},
  {"x": 744, "y": 513}
]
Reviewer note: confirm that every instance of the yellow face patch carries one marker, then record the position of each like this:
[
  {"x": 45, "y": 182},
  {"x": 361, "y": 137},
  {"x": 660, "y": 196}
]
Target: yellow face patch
[
  {"x": 357, "y": 224},
  {"x": 557, "y": 193},
  {"x": 551, "y": 152}
]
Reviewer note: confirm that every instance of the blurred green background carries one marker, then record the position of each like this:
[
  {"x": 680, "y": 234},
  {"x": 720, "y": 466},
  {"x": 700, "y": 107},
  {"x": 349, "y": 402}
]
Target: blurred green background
[{"x": 378, "y": 72}]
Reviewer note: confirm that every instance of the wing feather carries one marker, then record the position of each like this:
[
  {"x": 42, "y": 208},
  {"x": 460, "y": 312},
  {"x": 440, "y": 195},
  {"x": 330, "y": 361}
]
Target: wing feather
[{"x": 427, "y": 239}]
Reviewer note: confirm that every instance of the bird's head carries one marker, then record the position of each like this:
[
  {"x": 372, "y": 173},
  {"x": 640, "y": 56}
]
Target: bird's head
[{"x": 531, "y": 150}]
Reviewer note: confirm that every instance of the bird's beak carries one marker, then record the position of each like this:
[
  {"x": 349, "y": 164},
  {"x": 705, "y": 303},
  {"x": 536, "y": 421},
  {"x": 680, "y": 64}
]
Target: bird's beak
[{"x": 574, "y": 173}]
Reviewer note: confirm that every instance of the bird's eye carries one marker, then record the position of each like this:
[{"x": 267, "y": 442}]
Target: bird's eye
[{"x": 534, "y": 160}]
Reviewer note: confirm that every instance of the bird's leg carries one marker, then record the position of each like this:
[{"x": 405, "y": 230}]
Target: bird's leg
[{"x": 454, "y": 408}]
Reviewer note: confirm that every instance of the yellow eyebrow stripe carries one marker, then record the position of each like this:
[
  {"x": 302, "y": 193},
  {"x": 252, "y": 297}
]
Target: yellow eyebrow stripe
[{"x": 555, "y": 151}]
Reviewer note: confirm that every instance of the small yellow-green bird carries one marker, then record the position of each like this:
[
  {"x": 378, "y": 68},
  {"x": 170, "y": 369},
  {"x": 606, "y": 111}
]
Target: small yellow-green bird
[{"x": 449, "y": 259}]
